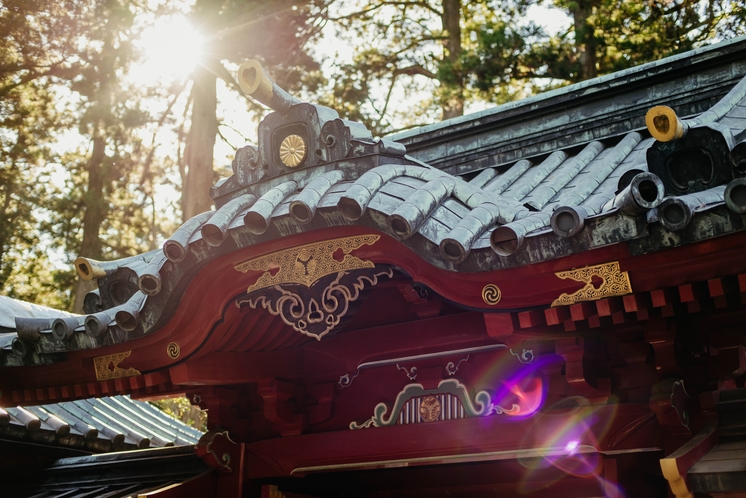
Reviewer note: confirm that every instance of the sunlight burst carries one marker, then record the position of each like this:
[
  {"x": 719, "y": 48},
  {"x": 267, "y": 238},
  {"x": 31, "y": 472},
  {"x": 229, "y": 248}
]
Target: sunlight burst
[{"x": 172, "y": 48}]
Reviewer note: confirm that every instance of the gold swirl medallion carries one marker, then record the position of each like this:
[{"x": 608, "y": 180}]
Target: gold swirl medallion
[
  {"x": 430, "y": 409},
  {"x": 491, "y": 294},
  {"x": 173, "y": 350},
  {"x": 292, "y": 151}
]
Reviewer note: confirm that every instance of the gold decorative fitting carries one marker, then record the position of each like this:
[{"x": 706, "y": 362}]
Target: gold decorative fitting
[
  {"x": 491, "y": 294},
  {"x": 306, "y": 264},
  {"x": 614, "y": 282},
  {"x": 292, "y": 151},
  {"x": 107, "y": 367},
  {"x": 663, "y": 124},
  {"x": 173, "y": 350},
  {"x": 430, "y": 409}
]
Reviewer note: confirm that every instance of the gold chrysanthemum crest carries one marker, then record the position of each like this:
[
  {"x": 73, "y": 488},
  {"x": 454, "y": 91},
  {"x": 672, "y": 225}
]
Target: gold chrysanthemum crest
[{"x": 292, "y": 151}]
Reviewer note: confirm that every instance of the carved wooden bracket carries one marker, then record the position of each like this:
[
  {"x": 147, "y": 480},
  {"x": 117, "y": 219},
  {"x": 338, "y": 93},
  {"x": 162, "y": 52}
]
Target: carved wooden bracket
[
  {"x": 420, "y": 302},
  {"x": 670, "y": 402},
  {"x": 218, "y": 450},
  {"x": 676, "y": 466},
  {"x": 573, "y": 351},
  {"x": 661, "y": 334},
  {"x": 277, "y": 410}
]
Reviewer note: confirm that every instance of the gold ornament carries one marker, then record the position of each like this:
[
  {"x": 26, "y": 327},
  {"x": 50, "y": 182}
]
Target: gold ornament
[
  {"x": 173, "y": 350},
  {"x": 107, "y": 367},
  {"x": 292, "y": 151},
  {"x": 306, "y": 264},
  {"x": 491, "y": 294},
  {"x": 430, "y": 409},
  {"x": 614, "y": 282}
]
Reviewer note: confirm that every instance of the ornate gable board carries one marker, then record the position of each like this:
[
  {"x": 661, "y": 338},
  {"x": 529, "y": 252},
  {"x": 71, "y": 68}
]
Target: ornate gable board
[{"x": 310, "y": 289}]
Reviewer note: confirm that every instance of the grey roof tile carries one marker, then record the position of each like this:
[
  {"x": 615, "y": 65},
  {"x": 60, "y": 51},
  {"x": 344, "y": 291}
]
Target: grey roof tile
[{"x": 98, "y": 424}]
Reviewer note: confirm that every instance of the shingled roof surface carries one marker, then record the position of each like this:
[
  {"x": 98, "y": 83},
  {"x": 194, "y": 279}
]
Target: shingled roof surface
[
  {"x": 96, "y": 425},
  {"x": 110, "y": 475},
  {"x": 555, "y": 175}
]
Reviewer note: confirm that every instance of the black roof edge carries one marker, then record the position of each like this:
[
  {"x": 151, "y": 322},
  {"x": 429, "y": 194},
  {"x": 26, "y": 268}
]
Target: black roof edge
[{"x": 579, "y": 113}]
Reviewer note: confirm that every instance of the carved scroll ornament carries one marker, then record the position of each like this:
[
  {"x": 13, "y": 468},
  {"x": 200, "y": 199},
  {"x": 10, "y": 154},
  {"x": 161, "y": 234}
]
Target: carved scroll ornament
[
  {"x": 215, "y": 448},
  {"x": 614, "y": 282},
  {"x": 306, "y": 264},
  {"x": 430, "y": 408},
  {"x": 317, "y": 310},
  {"x": 107, "y": 367}
]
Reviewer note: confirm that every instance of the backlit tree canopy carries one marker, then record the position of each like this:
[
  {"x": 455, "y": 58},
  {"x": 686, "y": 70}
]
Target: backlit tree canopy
[{"x": 458, "y": 52}]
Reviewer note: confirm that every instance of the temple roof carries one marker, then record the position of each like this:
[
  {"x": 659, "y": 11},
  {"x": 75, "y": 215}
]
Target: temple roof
[
  {"x": 114, "y": 475},
  {"x": 566, "y": 186},
  {"x": 96, "y": 425}
]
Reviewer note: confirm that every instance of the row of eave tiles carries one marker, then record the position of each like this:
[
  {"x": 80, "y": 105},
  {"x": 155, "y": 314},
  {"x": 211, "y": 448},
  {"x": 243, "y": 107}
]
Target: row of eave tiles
[
  {"x": 589, "y": 179},
  {"x": 97, "y": 425}
]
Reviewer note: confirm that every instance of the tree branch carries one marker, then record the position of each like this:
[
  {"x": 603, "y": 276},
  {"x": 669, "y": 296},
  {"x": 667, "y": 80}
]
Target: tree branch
[
  {"x": 416, "y": 69},
  {"x": 359, "y": 13}
]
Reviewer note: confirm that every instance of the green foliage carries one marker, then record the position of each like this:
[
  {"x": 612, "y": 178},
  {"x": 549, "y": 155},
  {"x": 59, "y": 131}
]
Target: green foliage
[
  {"x": 181, "y": 409},
  {"x": 404, "y": 50}
]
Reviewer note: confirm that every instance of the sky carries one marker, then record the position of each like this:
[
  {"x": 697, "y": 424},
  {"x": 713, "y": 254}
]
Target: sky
[{"x": 172, "y": 47}]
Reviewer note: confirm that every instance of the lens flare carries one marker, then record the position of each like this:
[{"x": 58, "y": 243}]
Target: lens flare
[
  {"x": 521, "y": 391},
  {"x": 571, "y": 447},
  {"x": 524, "y": 395},
  {"x": 567, "y": 434},
  {"x": 560, "y": 440}
]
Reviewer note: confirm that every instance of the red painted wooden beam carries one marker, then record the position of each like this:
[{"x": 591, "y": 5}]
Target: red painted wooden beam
[{"x": 493, "y": 438}]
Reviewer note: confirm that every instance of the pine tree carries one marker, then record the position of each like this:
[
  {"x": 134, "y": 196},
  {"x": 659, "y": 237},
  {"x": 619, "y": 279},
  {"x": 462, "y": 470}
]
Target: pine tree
[{"x": 63, "y": 81}]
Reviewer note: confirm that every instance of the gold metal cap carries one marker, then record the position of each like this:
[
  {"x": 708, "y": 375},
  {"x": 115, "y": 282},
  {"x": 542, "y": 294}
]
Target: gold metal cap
[{"x": 663, "y": 124}]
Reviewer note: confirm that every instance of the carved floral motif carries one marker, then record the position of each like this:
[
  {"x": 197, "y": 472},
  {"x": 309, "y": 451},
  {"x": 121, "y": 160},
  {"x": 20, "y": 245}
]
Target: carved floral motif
[{"x": 292, "y": 151}]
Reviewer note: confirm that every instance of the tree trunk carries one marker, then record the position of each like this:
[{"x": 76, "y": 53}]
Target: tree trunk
[
  {"x": 7, "y": 227},
  {"x": 585, "y": 39},
  {"x": 198, "y": 179},
  {"x": 95, "y": 213},
  {"x": 453, "y": 90}
]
